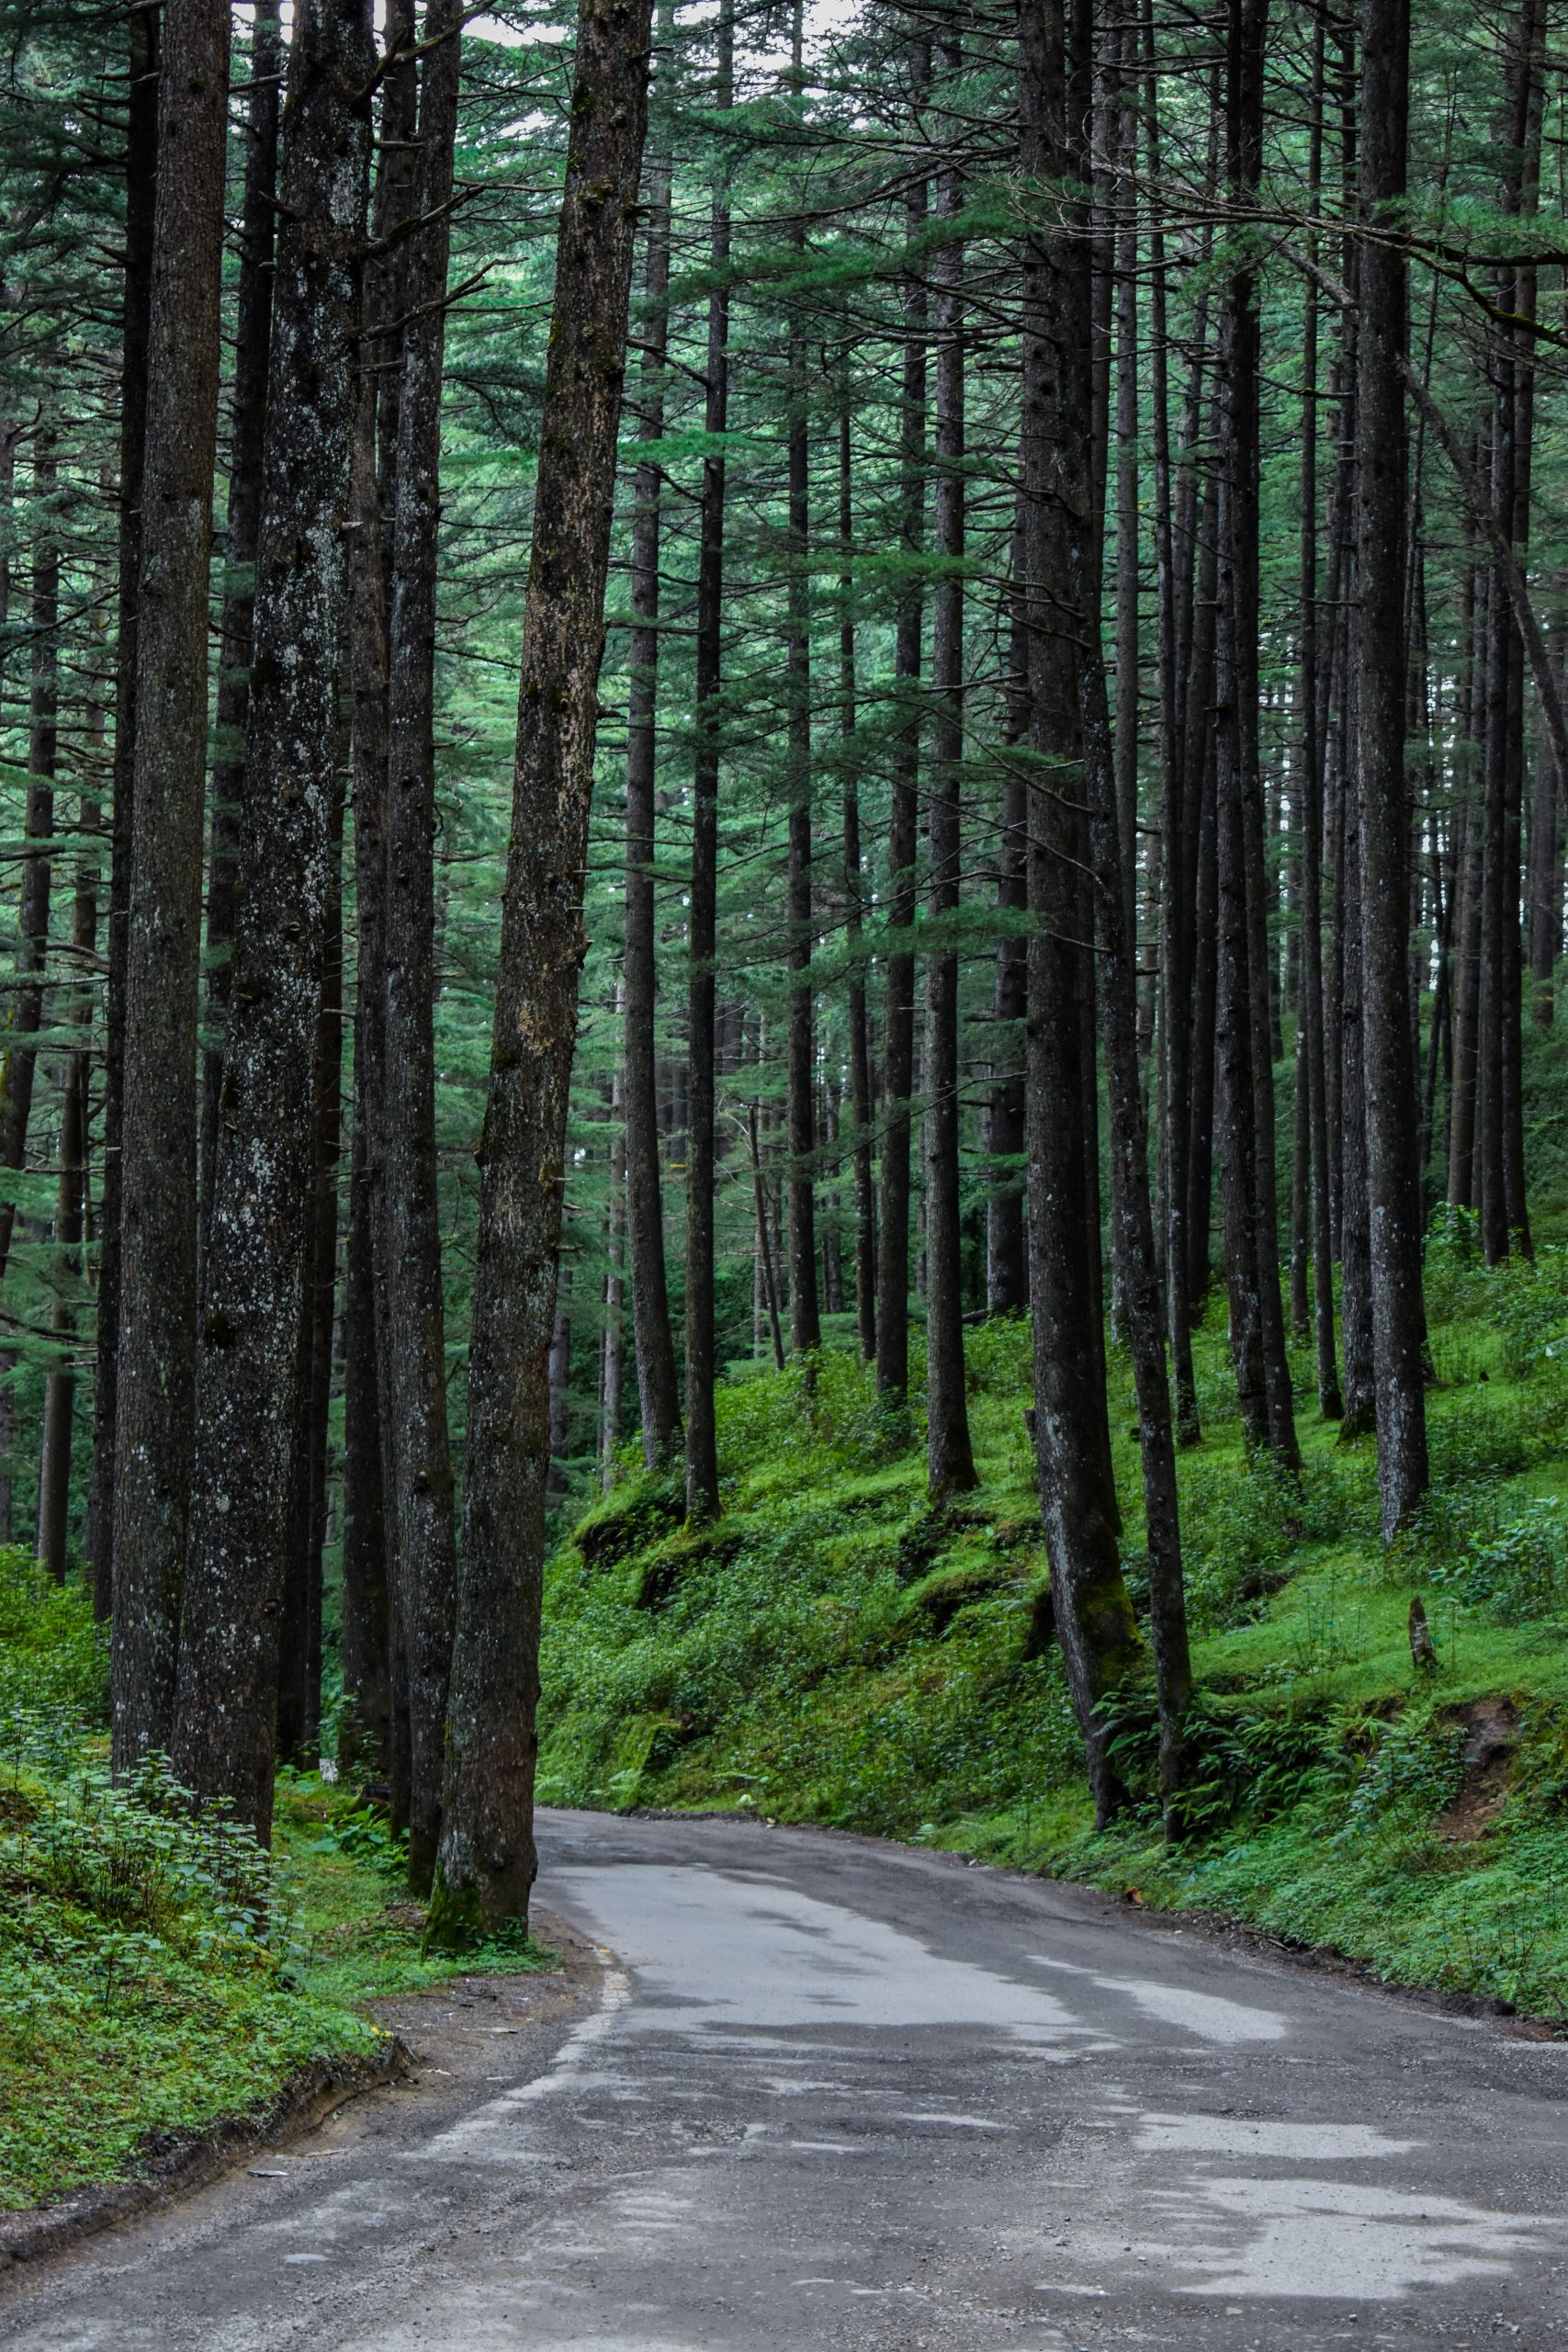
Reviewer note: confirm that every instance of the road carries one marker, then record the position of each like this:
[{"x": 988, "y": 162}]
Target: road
[{"x": 805, "y": 2091}]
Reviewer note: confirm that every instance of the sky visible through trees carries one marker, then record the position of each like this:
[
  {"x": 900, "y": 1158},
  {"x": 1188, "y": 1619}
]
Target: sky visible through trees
[{"x": 687, "y": 685}]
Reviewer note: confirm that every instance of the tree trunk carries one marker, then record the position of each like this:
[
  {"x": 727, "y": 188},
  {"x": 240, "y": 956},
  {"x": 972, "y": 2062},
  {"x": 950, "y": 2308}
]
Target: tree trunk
[
  {"x": 1311, "y": 1010},
  {"x": 487, "y": 1864},
  {"x": 1200, "y": 790},
  {"x": 950, "y": 1460},
  {"x": 70, "y": 1210},
  {"x": 658, "y": 1393},
  {"x": 701, "y": 1442},
  {"x": 1007, "y": 1267},
  {"x": 155, "y": 1372},
  {"x": 18, "y": 1067},
  {"x": 614, "y": 1287},
  {"x": 1388, "y": 1042},
  {"x": 420, "y": 1448},
  {"x": 855, "y": 905},
  {"x": 249, "y": 1400},
  {"x": 1355, "y": 1236},
  {"x": 559, "y": 1374},
  {"x": 765, "y": 1254},
  {"x": 1545, "y": 881},
  {"x": 1180, "y": 793},
  {"x": 374, "y": 1651},
  {"x": 804, "y": 1321},
  {"x": 300, "y": 1685},
  {"x": 252, "y": 336},
  {"x": 1466, "y": 919},
  {"x": 141, "y": 186},
  {"x": 903, "y": 832},
  {"x": 1093, "y": 1614},
  {"x": 1252, "y": 1221}
]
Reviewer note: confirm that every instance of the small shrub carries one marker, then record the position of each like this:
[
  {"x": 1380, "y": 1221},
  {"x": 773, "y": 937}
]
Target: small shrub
[
  {"x": 1517, "y": 1572},
  {"x": 1241, "y": 1758},
  {"x": 1413, "y": 1769},
  {"x": 1454, "y": 1271},
  {"x": 1531, "y": 1310}
]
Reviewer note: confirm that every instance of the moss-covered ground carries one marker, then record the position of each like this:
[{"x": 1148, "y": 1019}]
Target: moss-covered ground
[
  {"x": 833, "y": 1650},
  {"x": 158, "y": 1975}
]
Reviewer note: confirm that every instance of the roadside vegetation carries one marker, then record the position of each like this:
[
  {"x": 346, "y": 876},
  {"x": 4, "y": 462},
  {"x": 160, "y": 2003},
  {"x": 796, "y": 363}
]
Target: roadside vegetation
[
  {"x": 159, "y": 1973},
  {"x": 834, "y": 1649}
]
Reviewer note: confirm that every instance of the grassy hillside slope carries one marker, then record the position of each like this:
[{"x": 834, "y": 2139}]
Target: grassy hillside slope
[{"x": 834, "y": 1651}]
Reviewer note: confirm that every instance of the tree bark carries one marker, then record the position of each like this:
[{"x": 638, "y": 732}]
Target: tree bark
[
  {"x": 558, "y": 1374},
  {"x": 1311, "y": 1010},
  {"x": 249, "y": 1401},
  {"x": 1355, "y": 1232},
  {"x": 615, "y": 1286},
  {"x": 804, "y": 1320},
  {"x": 1247, "y": 1093},
  {"x": 903, "y": 834},
  {"x": 19, "y": 1066},
  {"x": 141, "y": 188},
  {"x": 71, "y": 1199},
  {"x": 659, "y": 1393},
  {"x": 950, "y": 1459},
  {"x": 1466, "y": 919},
  {"x": 415, "y": 1360},
  {"x": 155, "y": 1372},
  {"x": 1545, "y": 881},
  {"x": 375, "y": 1652},
  {"x": 854, "y": 909},
  {"x": 1007, "y": 1266},
  {"x": 701, "y": 1442},
  {"x": 1388, "y": 1042},
  {"x": 252, "y": 336},
  {"x": 487, "y": 1864},
  {"x": 765, "y": 1255},
  {"x": 1093, "y": 1614},
  {"x": 299, "y": 1683}
]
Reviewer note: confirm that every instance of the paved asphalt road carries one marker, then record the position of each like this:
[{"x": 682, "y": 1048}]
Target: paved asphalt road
[{"x": 805, "y": 2091}]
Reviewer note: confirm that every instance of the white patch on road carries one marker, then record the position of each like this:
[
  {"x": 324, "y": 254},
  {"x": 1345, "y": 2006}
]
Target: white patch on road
[
  {"x": 1206, "y": 2014},
  {"x": 1340, "y": 2240},
  {"x": 717, "y": 1950},
  {"x": 1227, "y": 2135},
  {"x": 478, "y": 2137}
]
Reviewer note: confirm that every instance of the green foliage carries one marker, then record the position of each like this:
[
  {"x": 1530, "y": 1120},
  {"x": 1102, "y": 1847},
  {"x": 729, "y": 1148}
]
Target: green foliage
[
  {"x": 1412, "y": 1769},
  {"x": 53, "y": 1663},
  {"x": 158, "y": 1971},
  {"x": 1243, "y": 1524},
  {"x": 146, "y": 1976},
  {"x": 1519, "y": 1573}
]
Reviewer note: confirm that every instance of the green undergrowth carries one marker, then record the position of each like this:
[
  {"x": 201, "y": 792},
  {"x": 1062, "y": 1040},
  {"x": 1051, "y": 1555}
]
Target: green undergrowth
[
  {"x": 158, "y": 1972},
  {"x": 834, "y": 1650}
]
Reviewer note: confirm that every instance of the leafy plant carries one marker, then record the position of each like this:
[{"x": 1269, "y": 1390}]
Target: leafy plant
[{"x": 1520, "y": 1571}]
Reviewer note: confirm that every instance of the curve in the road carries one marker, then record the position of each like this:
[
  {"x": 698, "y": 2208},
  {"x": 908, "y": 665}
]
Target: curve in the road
[{"x": 829, "y": 2092}]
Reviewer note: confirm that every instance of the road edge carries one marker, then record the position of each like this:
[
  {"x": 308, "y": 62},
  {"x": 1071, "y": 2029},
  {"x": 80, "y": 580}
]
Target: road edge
[{"x": 178, "y": 2164}]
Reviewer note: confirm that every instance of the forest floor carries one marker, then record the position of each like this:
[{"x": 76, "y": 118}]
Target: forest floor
[
  {"x": 833, "y": 1650},
  {"x": 160, "y": 1983}
]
